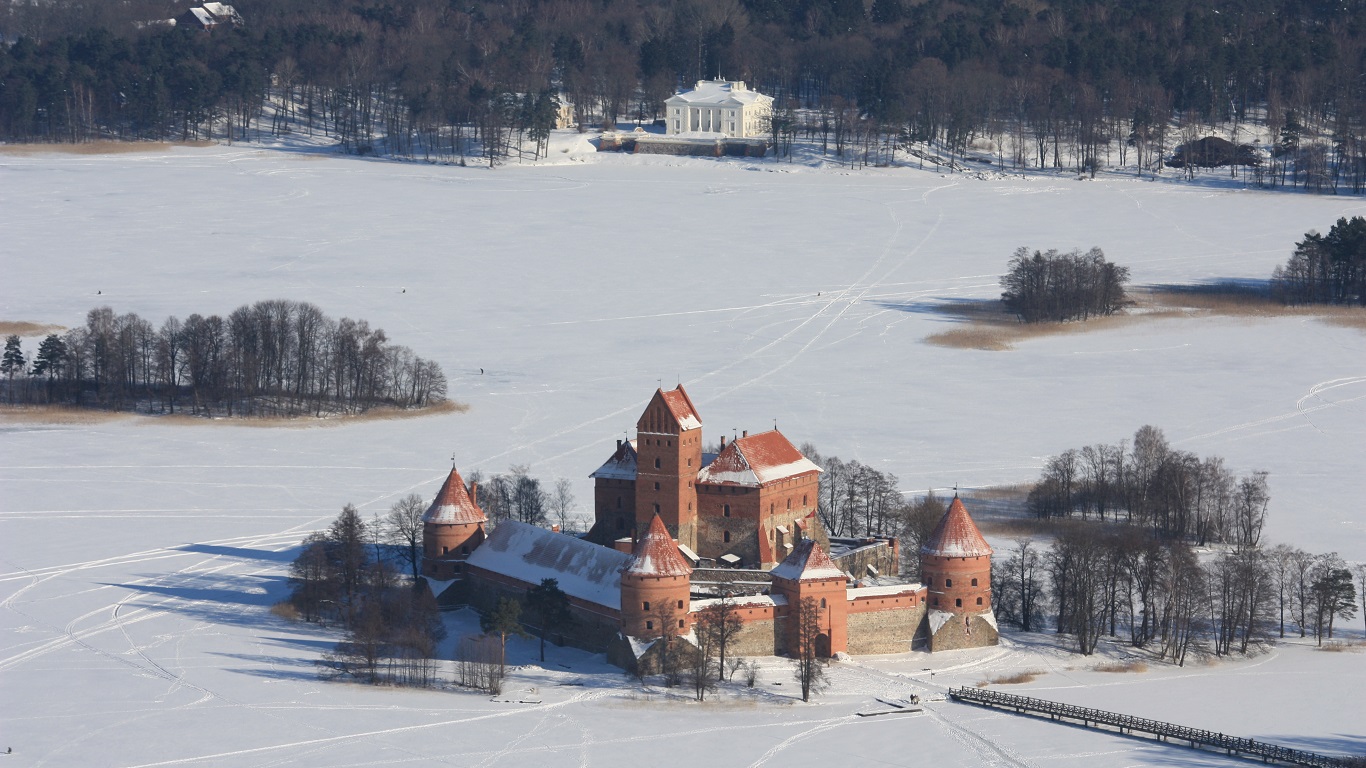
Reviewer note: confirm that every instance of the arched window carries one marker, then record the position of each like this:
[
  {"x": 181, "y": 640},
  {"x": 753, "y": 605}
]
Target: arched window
[
  {"x": 725, "y": 536},
  {"x": 822, "y": 602},
  {"x": 725, "y": 510},
  {"x": 649, "y": 625},
  {"x": 647, "y": 605},
  {"x": 948, "y": 582},
  {"x": 979, "y": 601},
  {"x": 680, "y": 623},
  {"x": 974, "y": 582},
  {"x": 680, "y": 605}
]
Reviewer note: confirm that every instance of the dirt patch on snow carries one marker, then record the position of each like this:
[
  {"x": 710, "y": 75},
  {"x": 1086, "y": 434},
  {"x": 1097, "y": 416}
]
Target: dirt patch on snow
[
  {"x": 98, "y": 147},
  {"x": 25, "y": 328}
]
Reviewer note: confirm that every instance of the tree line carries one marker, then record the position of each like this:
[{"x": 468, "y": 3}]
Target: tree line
[
  {"x": 271, "y": 358},
  {"x": 1326, "y": 269},
  {"x": 349, "y": 575},
  {"x": 1057, "y": 287},
  {"x": 1150, "y": 485},
  {"x": 1096, "y": 581},
  {"x": 1060, "y": 83}
]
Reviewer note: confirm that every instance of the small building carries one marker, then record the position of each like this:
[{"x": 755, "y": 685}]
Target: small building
[
  {"x": 209, "y": 16},
  {"x": 719, "y": 106}
]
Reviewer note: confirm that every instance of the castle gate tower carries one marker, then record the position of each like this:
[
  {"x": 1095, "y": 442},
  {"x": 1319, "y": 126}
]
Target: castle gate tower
[{"x": 668, "y": 457}]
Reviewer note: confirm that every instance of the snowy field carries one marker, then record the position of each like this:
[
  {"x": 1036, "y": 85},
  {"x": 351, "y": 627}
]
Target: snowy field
[{"x": 137, "y": 559}]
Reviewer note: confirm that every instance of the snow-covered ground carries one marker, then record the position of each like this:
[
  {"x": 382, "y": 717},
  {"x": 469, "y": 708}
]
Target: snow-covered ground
[{"x": 137, "y": 559}]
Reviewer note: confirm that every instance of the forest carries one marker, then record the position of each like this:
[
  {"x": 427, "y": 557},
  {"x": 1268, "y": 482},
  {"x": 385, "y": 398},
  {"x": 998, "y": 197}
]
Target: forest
[
  {"x": 1067, "y": 84},
  {"x": 271, "y": 358}
]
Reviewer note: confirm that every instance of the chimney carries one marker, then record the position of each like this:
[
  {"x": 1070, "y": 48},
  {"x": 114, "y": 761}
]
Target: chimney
[
  {"x": 723, "y": 442},
  {"x": 744, "y": 433},
  {"x": 618, "y": 446},
  {"x": 474, "y": 493}
]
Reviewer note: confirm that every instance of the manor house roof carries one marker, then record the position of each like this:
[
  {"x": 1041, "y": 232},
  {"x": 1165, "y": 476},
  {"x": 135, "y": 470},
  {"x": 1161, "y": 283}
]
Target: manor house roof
[
  {"x": 755, "y": 460},
  {"x": 529, "y": 554},
  {"x": 453, "y": 505},
  {"x": 718, "y": 93},
  {"x": 956, "y": 535}
]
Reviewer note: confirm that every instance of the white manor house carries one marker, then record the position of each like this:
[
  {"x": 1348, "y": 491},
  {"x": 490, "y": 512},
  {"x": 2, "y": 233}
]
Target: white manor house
[{"x": 719, "y": 106}]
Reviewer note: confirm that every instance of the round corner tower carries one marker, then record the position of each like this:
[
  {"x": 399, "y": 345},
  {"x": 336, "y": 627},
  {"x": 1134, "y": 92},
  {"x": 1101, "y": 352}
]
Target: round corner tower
[
  {"x": 955, "y": 567},
  {"x": 655, "y": 586},
  {"x": 451, "y": 529}
]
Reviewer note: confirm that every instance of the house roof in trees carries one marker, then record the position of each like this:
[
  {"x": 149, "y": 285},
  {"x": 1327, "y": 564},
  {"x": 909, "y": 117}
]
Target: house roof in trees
[
  {"x": 529, "y": 554},
  {"x": 956, "y": 535},
  {"x": 622, "y": 464},
  {"x": 656, "y": 554},
  {"x": 808, "y": 562},
  {"x": 756, "y": 460},
  {"x": 453, "y": 505},
  {"x": 718, "y": 93}
]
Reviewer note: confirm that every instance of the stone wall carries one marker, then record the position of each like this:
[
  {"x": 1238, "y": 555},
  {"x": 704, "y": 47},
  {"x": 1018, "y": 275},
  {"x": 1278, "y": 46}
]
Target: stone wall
[
  {"x": 965, "y": 631},
  {"x": 889, "y": 631},
  {"x": 879, "y": 553}
]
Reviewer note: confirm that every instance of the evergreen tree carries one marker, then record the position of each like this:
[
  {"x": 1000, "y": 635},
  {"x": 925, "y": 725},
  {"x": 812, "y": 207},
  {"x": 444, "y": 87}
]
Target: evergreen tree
[
  {"x": 13, "y": 362},
  {"x": 550, "y": 606}
]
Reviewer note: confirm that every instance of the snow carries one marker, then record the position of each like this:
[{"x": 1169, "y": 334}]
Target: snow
[
  {"x": 883, "y": 591},
  {"x": 744, "y": 601},
  {"x": 139, "y": 558},
  {"x": 585, "y": 571}
]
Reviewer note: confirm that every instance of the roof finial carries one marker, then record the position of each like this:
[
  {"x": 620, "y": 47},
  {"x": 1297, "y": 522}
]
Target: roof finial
[
  {"x": 452, "y": 459},
  {"x": 775, "y": 423},
  {"x": 955, "y": 490}
]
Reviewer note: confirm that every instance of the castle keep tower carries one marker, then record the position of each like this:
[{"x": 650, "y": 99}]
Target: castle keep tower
[
  {"x": 655, "y": 587},
  {"x": 955, "y": 566},
  {"x": 451, "y": 529},
  {"x": 668, "y": 456}
]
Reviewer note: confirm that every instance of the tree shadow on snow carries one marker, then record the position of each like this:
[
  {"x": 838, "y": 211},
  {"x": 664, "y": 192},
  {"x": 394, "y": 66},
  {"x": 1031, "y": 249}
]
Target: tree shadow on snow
[{"x": 240, "y": 553}]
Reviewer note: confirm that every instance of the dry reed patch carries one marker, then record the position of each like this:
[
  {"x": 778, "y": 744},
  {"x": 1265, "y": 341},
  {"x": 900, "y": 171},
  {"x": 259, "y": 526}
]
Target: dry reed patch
[
  {"x": 98, "y": 147},
  {"x": 65, "y": 414},
  {"x": 1344, "y": 646},
  {"x": 1122, "y": 666},
  {"x": 990, "y": 329},
  {"x": 25, "y": 328},
  {"x": 285, "y": 610},
  {"x": 1027, "y": 676}
]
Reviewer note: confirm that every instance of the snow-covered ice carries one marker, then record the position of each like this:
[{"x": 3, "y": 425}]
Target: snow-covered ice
[{"x": 138, "y": 559}]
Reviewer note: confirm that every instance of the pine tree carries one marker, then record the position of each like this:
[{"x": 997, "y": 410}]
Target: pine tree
[{"x": 13, "y": 362}]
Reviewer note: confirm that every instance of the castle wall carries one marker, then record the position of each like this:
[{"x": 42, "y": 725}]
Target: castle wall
[
  {"x": 885, "y": 623},
  {"x": 882, "y": 554},
  {"x": 614, "y": 510},
  {"x": 594, "y": 625}
]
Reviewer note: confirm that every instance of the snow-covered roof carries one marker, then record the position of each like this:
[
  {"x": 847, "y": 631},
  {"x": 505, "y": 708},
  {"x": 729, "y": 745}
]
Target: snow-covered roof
[
  {"x": 529, "y": 554},
  {"x": 622, "y": 464},
  {"x": 884, "y": 591},
  {"x": 741, "y": 601},
  {"x": 203, "y": 17},
  {"x": 808, "y": 562},
  {"x": 656, "y": 554},
  {"x": 754, "y": 460},
  {"x": 453, "y": 505},
  {"x": 956, "y": 535},
  {"x": 718, "y": 93}
]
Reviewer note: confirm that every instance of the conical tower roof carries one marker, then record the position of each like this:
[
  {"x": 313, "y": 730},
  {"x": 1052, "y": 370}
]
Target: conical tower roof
[
  {"x": 956, "y": 535},
  {"x": 808, "y": 562},
  {"x": 656, "y": 554},
  {"x": 453, "y": 505}
]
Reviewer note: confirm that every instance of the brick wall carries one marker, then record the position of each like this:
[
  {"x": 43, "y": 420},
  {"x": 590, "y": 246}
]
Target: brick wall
[{"x": 885, "y": 631}]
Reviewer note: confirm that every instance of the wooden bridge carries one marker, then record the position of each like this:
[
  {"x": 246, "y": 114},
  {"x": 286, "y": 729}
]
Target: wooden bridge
[{"x": 1128, "y": 724}]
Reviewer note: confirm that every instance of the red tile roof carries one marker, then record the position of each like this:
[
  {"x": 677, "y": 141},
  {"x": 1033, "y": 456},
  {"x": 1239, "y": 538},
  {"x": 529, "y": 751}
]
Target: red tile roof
[
  {"x": 755, "y": 460},
  {"x": 956, "y": 535},
  {"x": 680, "y": 405},
  {"x": 808, "y": 562},
  {"x": 453, "y": 505},
  {"x": 656, "y": 554}
]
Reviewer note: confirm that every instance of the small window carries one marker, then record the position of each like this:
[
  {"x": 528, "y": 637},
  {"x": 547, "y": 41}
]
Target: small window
[
  {"x": 958, "y": 602},
  {"x": 725, "y": 536},
  {"x": 656, "y": 509},
  {"x": 656, "y": 463},
  {"x": 680, "y": 623},
  {"x": 680, "y": 604},
  {"x": 974, "y": 582},
  {"x": 690, "y": 462},
  {"x": 725, "y": 510},
  {"x": 948, "y": 582},
  {"x": 979, "y": 601},
  {"x": 649, "y": 625},
  {"x": 656, "y": 486},
  {"x": 690, "y": 506},
  {"x": 464, "y": 550},
  {"x": 822, "y": 602},
  {"x": 803, "y": 499},
  {"x": 936, "y": 602},
  {"x": 789, "y": 503},
  {"x": 647, "y": 605}
]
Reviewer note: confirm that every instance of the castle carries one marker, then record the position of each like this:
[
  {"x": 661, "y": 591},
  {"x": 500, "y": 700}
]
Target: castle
[{"x": 677, "y": 530}]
